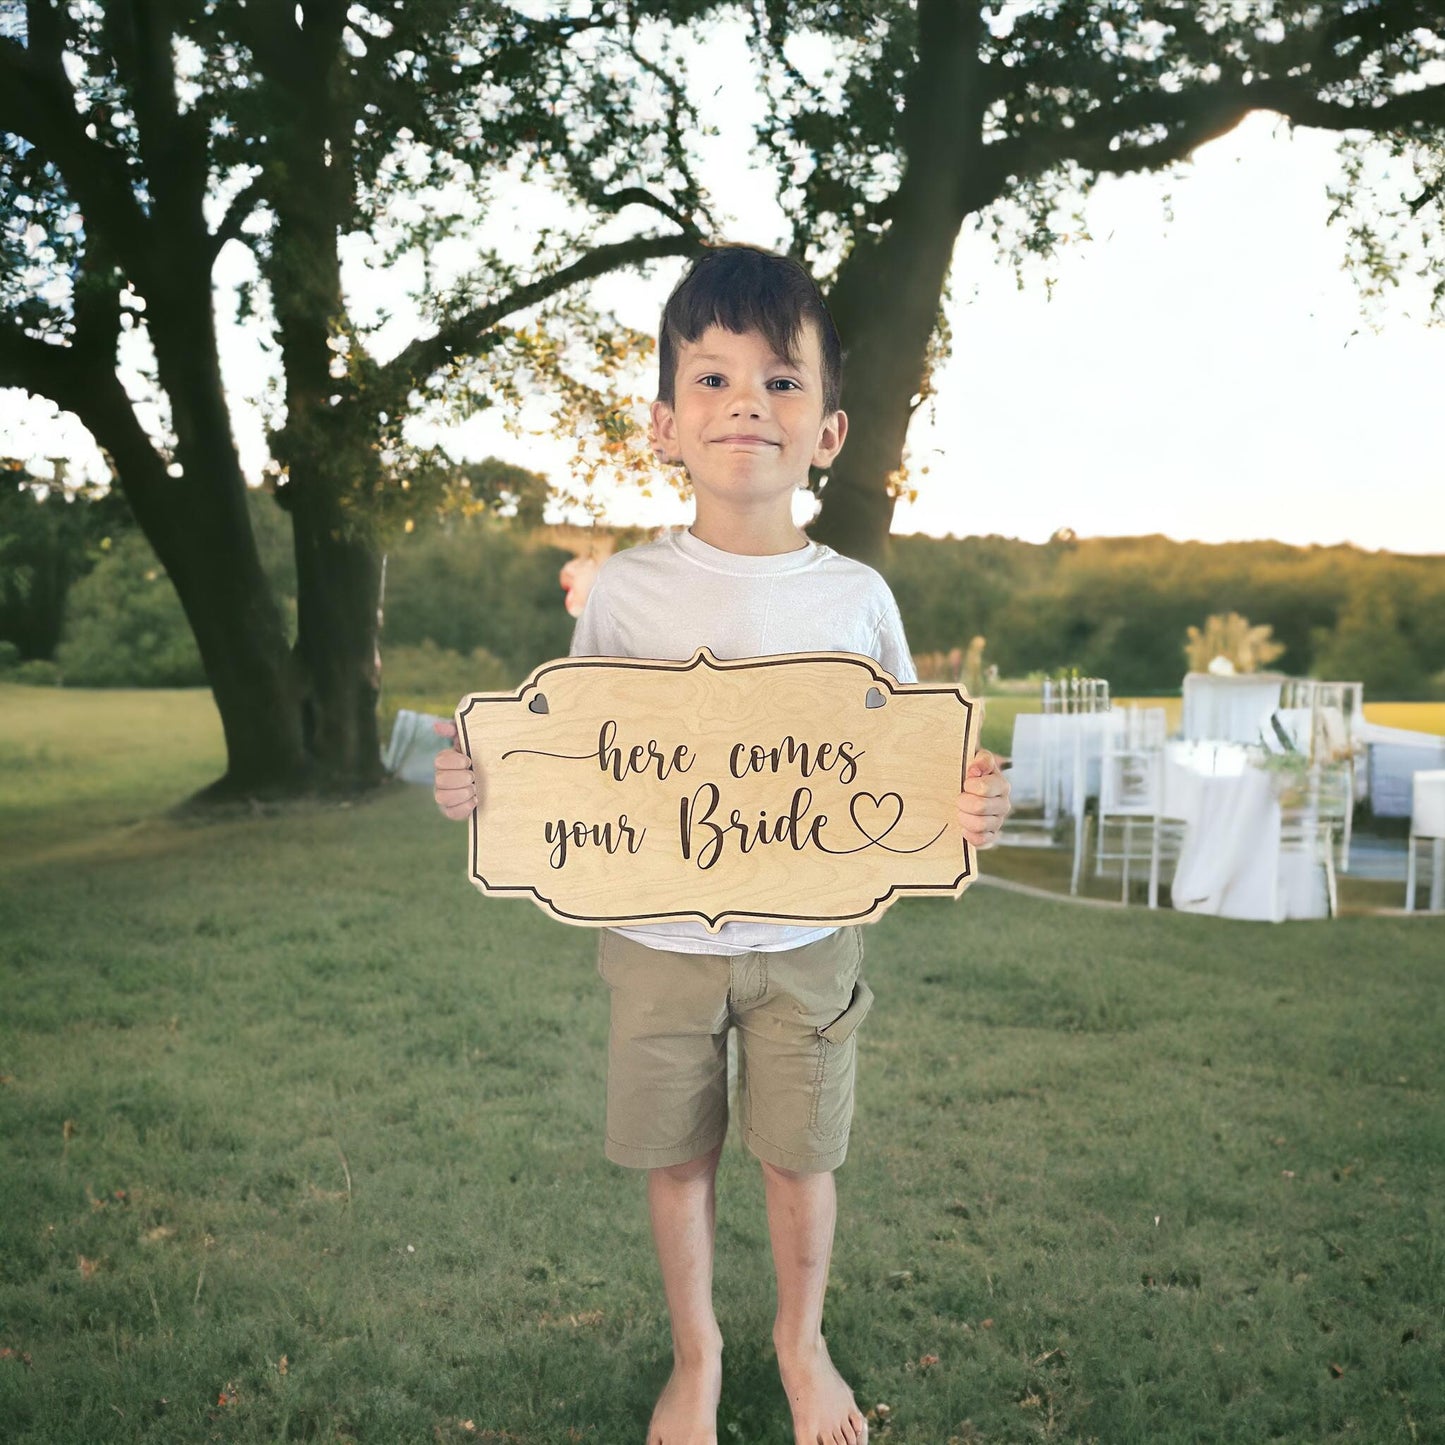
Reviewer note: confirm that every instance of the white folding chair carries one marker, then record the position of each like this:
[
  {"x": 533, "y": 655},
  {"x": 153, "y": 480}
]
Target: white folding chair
[
  {"x": 1311, "y": 817},
  {"x": 1131, "y": 795},
  {"x": 1427, "y": 822}
]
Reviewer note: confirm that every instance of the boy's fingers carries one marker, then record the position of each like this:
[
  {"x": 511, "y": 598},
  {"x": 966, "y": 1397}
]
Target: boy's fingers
[
  {"x": 443, "y": 728},
  {"x": 457, "y": 786},
  {"x": 982, "y": 808},
  {"x": 448, "y": 798}
]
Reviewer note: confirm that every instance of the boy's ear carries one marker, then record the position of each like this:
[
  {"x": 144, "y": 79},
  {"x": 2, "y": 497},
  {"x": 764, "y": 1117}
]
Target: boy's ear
[
  {"x": 663, "y": 435},
  {"x": 830, "y": 439}
]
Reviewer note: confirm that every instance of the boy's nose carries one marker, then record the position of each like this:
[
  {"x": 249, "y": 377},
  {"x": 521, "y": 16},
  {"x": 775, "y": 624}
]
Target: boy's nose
[{"x": 747, "y": 401}]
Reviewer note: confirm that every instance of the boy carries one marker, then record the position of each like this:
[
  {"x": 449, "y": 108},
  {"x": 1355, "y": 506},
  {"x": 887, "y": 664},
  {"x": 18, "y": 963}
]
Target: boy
[{"x": 750, "y": 376}]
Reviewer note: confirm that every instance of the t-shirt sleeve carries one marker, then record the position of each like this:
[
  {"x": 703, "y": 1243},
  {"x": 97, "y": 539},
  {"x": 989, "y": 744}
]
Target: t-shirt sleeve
[
  {"x": 891, "y": 646},
  {"x": 593, "y": 635}
]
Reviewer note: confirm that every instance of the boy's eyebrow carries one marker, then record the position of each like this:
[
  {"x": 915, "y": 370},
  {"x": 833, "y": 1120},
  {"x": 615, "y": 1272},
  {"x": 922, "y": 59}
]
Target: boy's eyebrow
[{"x": 709, "y": 356}]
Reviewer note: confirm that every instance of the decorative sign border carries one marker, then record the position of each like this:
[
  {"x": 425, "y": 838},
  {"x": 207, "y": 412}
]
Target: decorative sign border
[{"x": 533, "y": 694}]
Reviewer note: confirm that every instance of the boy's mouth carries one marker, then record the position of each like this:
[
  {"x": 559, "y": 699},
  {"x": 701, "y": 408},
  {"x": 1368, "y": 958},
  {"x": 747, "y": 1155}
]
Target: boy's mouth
[{"x": 748, "y": 440}]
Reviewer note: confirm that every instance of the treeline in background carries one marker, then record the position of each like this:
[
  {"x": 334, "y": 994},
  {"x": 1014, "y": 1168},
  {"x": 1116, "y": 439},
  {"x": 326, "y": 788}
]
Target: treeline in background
[{"x": 473, "y": 602}]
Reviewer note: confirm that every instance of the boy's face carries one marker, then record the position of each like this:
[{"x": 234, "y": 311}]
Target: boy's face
[{"x": 748, "y": 424}]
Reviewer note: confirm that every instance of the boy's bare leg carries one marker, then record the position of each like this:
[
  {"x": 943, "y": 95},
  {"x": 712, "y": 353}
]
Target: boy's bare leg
[
  {"x": 802, "y": 1209},
  {"x": 683, "y": 1203}
]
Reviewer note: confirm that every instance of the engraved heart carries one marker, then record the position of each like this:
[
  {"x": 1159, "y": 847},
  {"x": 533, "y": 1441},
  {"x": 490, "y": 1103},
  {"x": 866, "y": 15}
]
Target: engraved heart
[
  {"x": 874, "y": 698},
  {"x": 877, "y": 815},
  {"x": 538, "y": 703}
]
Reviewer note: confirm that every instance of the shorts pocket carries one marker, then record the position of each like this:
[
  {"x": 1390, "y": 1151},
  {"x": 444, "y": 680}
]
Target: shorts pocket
[
  {"x": 831, "y": 1113},
  {"x": 841, "y": 1029},
  {"x": 603, "y": 938}
]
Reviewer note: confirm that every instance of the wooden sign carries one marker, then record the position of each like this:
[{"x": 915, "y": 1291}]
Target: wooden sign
[{"x": 801, "y": 789}]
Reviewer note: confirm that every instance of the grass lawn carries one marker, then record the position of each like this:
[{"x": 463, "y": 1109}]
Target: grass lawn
[{"x": 301, "y": 1141}]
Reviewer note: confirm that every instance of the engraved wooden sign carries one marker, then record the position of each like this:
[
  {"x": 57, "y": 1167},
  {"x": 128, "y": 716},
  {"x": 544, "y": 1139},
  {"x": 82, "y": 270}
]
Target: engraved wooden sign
[{"x": 804, "y": 789}]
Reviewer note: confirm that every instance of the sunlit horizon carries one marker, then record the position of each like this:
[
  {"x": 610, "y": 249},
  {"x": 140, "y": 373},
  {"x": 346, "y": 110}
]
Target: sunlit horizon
[{"x": 1200, "y": 369}]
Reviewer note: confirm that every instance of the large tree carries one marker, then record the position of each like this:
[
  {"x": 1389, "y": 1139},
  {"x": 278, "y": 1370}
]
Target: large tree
[
  {"x": 932, "y": 112},
  {"x": 138, "y": 140}
]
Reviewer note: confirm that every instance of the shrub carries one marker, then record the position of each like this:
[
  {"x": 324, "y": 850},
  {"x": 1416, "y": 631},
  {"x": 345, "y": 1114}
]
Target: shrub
[
  {"x": 124, "y": 626},
  {"x": 37, "y": 672},
  {"x": 474, "y": 584},
  {"x": 428, "y": 678}
]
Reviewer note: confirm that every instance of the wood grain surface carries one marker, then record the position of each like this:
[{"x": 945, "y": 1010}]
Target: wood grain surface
[{"x": 804, "y": 789}]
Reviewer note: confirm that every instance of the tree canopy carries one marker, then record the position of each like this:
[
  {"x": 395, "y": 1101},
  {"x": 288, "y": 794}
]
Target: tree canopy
[
  {"x": 893, "y": 123},
  {"x": 137, "y": 142}
]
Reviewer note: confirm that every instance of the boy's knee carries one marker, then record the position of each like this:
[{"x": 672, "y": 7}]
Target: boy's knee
[
  {"x": 702, "y": 1167},
  {"x": 789, "y": 1176}
]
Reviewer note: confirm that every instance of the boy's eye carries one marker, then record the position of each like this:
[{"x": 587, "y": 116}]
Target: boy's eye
[
  {"x": 710, "y": 380},
  {"x": 786, "y": 383}
]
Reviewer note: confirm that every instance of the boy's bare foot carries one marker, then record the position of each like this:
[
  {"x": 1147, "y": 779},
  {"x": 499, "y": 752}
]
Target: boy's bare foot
[
  {"x": 686, "y": 1411},
  {"x": 824, "y": 1410}
]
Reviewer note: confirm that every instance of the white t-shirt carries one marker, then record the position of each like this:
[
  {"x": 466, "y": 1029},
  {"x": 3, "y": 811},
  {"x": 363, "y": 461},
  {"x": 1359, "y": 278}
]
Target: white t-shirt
[{"x": 667, "y": 598}]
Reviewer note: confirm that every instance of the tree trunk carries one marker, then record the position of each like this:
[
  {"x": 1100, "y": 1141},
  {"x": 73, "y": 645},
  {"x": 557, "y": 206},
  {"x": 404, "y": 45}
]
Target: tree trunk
[
  {"x": 327, "y": 445},
  {"x": 885, "y": 303},
  {"x": 202, "y": 534},
  {"x": 232, "y": 611},
  {"x": 200, "y": 528},
  {"x": 887, "y": 294},
  {"x": 338, "y": 591}
]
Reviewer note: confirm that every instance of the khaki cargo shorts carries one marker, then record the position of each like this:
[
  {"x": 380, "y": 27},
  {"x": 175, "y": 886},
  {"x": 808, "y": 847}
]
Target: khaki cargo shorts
[{"x": 795, "y": 1013}]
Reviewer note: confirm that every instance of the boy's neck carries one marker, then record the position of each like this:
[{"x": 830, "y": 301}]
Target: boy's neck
[{"x": 748, "y": 536}]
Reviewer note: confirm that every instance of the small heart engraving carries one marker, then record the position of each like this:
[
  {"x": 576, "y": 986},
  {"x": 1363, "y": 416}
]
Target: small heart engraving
[
  {"x": 538, "y": 703},
  {"x": 879, "y": 814},
  {"x": 874, "y": 698}
]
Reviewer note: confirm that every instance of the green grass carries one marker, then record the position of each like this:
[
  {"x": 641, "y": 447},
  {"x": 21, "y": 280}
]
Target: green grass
[
  {"x": 1051, "y": 868},
  {"x": 78, "y": 763},
  {"x": 287, "y": 1086}
]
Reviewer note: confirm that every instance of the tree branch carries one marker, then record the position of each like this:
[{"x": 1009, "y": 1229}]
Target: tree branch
[
  {"x": 1193, "y": 117},
  {"x": 638, "y": 196},
  {"x": 83, "y": 384},
  {"x": 238, "y": 212},
  {"x": 37, "y": 103},
  {"x": 172, "y": 146},
  {"x": 1413, "y": 108},
  {"x": 943, "y": 103},
  {"x": 463, "y": 335},
  {"x": 40, "y": 367}
]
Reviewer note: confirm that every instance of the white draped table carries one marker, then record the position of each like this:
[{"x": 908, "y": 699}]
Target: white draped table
[
  {"x": 1231, "y": 851},
  {"x": 1056, "y": 760},
  {"x": 1233, "y": 709}
]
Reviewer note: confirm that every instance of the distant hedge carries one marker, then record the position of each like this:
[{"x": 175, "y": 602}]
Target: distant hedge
[
  {"x": 1114, "y": 607},
  {"x": 1119, "y": 607}
]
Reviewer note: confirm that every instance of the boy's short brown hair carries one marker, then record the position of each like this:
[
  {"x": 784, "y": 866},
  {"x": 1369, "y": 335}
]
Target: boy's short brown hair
[{"x": 744, "y": 288}]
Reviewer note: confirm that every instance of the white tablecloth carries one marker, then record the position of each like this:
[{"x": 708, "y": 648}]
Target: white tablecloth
[
  {"x": 1231, "y": 849},
  {"x": 1395, "y": 756},
  {"x": 1047, "y": 747},
  {"x": 1229, "y": 709}
]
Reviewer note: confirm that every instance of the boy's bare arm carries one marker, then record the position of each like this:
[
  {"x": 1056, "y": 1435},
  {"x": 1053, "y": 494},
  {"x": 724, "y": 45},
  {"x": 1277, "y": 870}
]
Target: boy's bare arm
[
  {"x": 984, "y": 802},
  {"x": 457, "y": 787}
]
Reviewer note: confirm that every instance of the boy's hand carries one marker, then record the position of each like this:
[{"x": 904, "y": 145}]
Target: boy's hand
[
  {"x": 456, "y": 786},
  {"x": 984, "y": 802}
]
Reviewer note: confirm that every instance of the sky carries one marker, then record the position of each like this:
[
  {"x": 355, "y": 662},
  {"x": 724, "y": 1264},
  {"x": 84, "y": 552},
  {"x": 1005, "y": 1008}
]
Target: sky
[{"x": 1201, "y": 368}]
